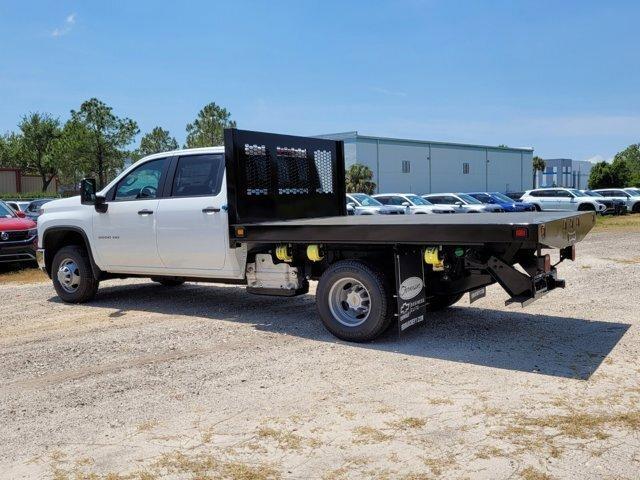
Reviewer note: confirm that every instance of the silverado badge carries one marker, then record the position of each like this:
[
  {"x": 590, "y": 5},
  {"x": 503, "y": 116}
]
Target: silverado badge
[{"x": 4, "y": 236}]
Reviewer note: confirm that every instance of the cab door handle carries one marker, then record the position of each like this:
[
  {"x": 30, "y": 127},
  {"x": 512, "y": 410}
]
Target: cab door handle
[
  {"x": 145, "y": 212},
  {"x": 210, "y": 210}
]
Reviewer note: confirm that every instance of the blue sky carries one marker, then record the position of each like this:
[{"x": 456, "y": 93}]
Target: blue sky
[{"x": 563, "y": 77}]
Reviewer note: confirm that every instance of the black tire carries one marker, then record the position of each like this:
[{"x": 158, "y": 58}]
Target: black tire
[
  {"x": 537, "y": 207},
  {"x": 167, "y": 282},
  {"x": 440, "y": 302},
  {"x": 76, "y": 261},
  {"x": 636, "y": 208},
  {"x": 586, "y": 207},
  {"x": 380, "y": 306}
]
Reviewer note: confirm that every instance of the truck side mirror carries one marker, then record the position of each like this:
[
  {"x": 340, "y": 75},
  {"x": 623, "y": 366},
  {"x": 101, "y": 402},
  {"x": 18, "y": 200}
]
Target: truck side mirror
[
  {"x": 21, "y": 214},
  {"x": 351, "y": 204},
  {"x": 458, "y": 203},
  {"x": 88, "y": 195},
  {"x": 406, "y": 204}
]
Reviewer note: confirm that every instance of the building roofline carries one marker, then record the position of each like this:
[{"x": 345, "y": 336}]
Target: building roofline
[{"x": 356, "y": 136}]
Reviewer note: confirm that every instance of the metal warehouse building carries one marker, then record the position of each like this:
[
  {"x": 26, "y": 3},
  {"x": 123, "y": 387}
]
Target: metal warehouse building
[{"x": 422, "y": 166}]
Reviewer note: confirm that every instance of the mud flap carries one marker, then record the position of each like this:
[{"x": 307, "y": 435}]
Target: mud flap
[{"x": 410, "y": 289}]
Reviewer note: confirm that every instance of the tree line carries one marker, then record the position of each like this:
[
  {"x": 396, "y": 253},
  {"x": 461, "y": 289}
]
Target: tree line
[
  {"x": 94, "y": 142},
  {"x": 623, "y": 171}
]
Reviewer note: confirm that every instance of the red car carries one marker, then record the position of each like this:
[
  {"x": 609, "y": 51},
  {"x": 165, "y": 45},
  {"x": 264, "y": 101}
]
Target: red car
[{"x": 18, "y": 236}]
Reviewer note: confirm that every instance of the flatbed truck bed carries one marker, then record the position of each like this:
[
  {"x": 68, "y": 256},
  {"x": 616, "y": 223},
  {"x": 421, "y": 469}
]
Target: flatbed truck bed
[{"x": 549, "y": 229}]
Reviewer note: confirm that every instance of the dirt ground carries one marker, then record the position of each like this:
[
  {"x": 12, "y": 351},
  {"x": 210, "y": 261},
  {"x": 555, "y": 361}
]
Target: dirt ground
[{"x": 204, "y": 381}]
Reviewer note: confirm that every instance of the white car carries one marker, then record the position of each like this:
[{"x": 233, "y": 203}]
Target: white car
[
  {"x": 631, "y": 196},
  {"x": 562, "y": 199},
  {"x": 462, "y": 203},
  {"x": 18, "y": 205},
  {"x": 412, "y": 202},
  {"x": 364, "y": 204}
]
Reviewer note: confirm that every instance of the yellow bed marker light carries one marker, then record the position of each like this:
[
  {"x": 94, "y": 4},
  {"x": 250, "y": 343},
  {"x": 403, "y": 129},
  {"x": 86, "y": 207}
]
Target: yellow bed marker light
[
  {"x": 431, "y": 258},
  {"x": 313, "y": 253},
  {"x": 282, "y": 253}
]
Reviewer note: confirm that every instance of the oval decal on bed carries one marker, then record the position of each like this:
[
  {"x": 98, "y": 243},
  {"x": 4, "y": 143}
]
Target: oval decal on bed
[{"x": 410, "y": 288}]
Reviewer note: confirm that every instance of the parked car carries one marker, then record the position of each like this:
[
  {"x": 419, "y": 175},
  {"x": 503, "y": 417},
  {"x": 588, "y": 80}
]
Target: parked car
[
  {"x": 614, "y": 206},
  {"x": 562, "y": 199},
  {"x": 18, "y": 205},
  {"x": 461, "y": 202},
  {"x": 18, "y": 236},
  {"x": 412, "y": 203},
  {"x": 630, "y": 196},
  {"x": 34, "y": 210},
  {"x": 364, "y": 204},
  {"x": 504, "y": 202},
  {"x": 514, "y": 195}
]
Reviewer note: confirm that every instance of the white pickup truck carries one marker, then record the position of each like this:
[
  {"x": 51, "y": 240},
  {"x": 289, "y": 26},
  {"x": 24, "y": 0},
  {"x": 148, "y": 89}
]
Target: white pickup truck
[{"x": 268, "y": 211}]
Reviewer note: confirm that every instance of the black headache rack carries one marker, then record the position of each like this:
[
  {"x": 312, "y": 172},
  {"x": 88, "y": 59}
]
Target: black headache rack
[{"x": 279, "y": 177}]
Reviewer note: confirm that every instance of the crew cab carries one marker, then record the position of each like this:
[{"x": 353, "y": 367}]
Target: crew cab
[
  {"x": 562, "y": 199},
  {"x": 268, "y": 212},
  {"x": 18, "y": 236}
]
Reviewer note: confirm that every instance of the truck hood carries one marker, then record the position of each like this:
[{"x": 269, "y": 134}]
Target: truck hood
[
  {"x": 11, "y": 224},
  {"x": 61, "y": 204}
]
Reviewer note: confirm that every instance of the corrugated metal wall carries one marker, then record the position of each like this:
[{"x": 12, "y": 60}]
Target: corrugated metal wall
[
  {"x": 8, "y": 181},
  {"x": 31, "y": 183},
  {"x": 436, "y": 167}
]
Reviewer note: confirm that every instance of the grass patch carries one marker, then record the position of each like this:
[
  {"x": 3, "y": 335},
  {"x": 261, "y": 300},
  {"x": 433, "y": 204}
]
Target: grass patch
[
  {"x": 531, "y": 473},
  {"x": 23, "y": 276},
  {"x": 630, "y": 223},
  {"x": 205, "y": 466},
  {"x": 285, "y": 440},
  {"x": 585, "y": 425},
  {"x": 370, "y": 435},
  {"x": 408, "y": 423}
]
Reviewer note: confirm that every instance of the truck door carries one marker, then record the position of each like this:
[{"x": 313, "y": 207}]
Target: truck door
[
  {"x": 192, "y": 217},
  {"x": 125, "y": 235}
]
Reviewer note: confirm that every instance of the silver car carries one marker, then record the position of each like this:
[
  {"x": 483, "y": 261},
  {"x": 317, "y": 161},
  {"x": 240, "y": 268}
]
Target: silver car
[
  {"x": 630, "y": 196},
  {"x": 364, "y": 204},
  {"x": 412, "y": 203},
  {"x": 462, "y": 202}
]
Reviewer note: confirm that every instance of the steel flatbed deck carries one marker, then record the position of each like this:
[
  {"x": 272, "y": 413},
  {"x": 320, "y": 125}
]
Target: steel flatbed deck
[{"x": 550, "y": 229}]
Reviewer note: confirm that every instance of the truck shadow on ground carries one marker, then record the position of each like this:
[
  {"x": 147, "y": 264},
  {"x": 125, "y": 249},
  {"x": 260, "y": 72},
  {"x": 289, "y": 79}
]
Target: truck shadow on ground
[{"x": 513, "y": 340}]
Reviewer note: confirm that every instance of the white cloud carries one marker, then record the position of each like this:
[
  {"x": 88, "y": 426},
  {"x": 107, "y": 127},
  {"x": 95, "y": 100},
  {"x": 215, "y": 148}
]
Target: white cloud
[
  {"x": 599, "y": 158},
  {"x": 69, "y": 22}
]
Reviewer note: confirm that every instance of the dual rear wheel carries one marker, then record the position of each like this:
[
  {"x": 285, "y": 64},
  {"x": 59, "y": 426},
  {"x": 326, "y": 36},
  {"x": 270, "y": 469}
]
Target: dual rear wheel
[{"x": 355, "y": 300}]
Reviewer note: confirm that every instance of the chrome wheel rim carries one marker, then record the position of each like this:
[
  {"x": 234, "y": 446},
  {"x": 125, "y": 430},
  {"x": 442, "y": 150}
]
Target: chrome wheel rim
[
  {"x": 69, "y": 275},
  {"x": 349, "y": 302}
]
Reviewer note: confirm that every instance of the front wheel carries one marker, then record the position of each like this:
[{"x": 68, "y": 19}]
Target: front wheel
[
  {"x": 72, "y": 275},
  {"x": 354, "y": 301}
]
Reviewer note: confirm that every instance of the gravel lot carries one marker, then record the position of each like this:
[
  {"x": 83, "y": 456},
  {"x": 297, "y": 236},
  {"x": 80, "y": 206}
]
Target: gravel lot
[{"x": 205, "y": 381}]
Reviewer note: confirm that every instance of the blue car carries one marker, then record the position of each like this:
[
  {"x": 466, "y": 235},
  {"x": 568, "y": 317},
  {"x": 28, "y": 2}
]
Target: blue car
[{"x": 507, "y": 204}]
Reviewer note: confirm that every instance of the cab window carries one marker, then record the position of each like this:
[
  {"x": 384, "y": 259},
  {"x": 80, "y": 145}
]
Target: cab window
[
  {"x": 142, "y": 183},
  {"x": 198, "y": 175}
]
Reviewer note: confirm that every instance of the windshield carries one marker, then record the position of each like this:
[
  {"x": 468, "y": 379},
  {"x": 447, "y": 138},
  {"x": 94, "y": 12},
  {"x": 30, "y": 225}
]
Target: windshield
[
  {"x": 416, "y": 200},
  {"x": 469, "y": 199},
  {"x": 577, "y": 193},
  {"x": 502, "y": 197},
  {"x": 6, "y": 211},
  {"x": 365, "y": 200},
  {"x": 633, "y": 191}
]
